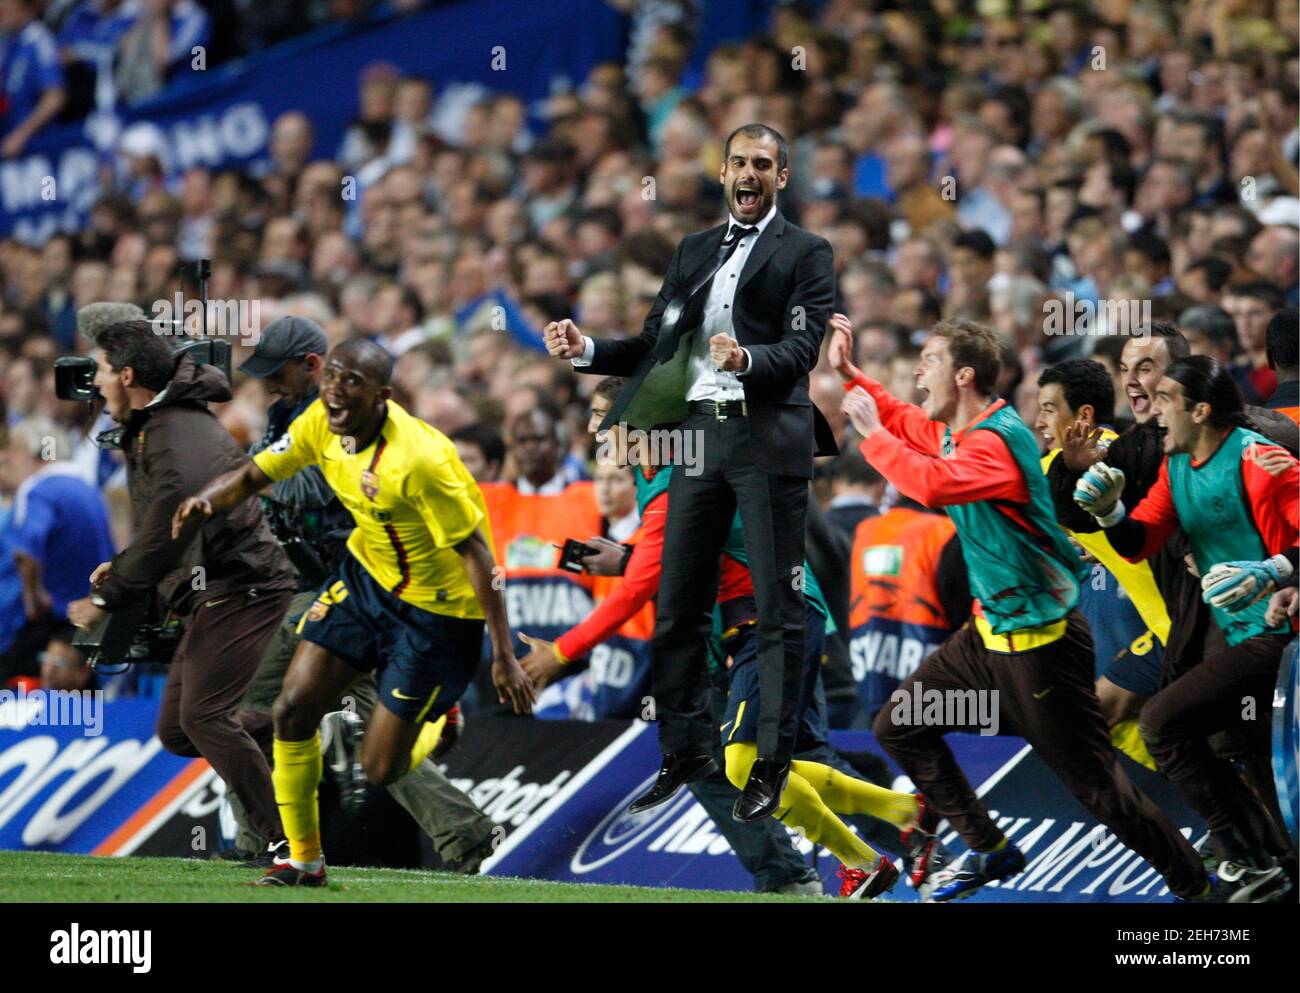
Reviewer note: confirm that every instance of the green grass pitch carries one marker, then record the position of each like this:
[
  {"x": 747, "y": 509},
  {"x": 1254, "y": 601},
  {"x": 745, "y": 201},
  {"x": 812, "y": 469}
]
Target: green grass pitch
[{"x": 41, "y": 877}]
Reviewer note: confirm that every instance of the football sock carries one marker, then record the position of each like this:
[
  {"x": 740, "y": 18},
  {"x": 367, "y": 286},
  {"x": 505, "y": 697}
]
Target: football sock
[
  {"x": 295, "y": 775},
  {"x": 428, "y": 740},
  {"x": 850, "y": 795},
  {"x": 801, "y": 808},
  {"x": 1127, "y": 739}
]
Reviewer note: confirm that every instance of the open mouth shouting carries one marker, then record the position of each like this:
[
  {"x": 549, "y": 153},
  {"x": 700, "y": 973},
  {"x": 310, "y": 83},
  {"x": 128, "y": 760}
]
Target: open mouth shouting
[
  {"x": 338, "y": 416},
  {"x": 1139, "y": 401},
  {"x": 747, "y": 198}
]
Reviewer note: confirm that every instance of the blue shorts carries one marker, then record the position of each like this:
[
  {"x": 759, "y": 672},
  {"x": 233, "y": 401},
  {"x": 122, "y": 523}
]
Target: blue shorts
[
  {"x": 425, "y": 660},
  {"x": 1137, "y": 667},
  {"x": 740, "y": 722}
]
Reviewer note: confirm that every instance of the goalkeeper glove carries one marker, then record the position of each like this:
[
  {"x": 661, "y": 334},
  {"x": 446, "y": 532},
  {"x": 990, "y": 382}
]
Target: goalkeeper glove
[
  {"x": 1098, "y": 492},
  {"x": 1234, "y": 586}
]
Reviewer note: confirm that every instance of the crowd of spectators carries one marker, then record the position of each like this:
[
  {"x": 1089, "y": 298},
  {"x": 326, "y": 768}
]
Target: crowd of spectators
[
  {"x": 987, "y": 160},
  {"x": 59, "y": 59}
]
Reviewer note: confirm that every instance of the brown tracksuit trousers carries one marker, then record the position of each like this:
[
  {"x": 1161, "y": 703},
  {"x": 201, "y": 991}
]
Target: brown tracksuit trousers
[
  {"x": 1229, "y": 691},
  {"x": 1047, "y": 697},
  {"x": 200, "y": 716}
]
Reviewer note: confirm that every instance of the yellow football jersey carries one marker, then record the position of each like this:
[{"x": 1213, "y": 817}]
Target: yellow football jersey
[{"x": 411, "y": 496}]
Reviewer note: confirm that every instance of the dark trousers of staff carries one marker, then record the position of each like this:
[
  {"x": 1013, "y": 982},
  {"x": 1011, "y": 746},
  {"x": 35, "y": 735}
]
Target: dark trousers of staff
[{"x": 702, "y": 501}]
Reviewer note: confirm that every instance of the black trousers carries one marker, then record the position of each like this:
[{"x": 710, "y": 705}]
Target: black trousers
[
  {"x": 762, "y": 847},
  {"x": 702, "y": 501}
]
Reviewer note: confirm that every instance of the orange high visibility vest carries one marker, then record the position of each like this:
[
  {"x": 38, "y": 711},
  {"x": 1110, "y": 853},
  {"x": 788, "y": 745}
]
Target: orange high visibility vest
[
  {"x": 896, "y": 617},
  {"x": 541, "y": 599}
]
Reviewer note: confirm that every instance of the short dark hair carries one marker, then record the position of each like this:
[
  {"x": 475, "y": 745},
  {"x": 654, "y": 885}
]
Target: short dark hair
[
  {"x": 1175, "y": 343},
  {"x": 931, "y": 306},
  {"x": 604, "y": 217},
  {"x": 138, "y": 346},
  {"x": 1217, "y": 272},
  {"x": 1284, "y": 340},
  {"x": 1150, "y": 246},
  {"x": 851, "y": 467},
  {"x": 487, "y": 438},
  {"x": 761, "y": 131},
  {"x": 411, "y": 300},
  {"x": 1268, "y": 293},
  {"x": 976, "y": 346},
  {"x": 1118, "y": 148},
  {"x": 1206, "y": 380},
  {"x": 1212, "y": 321},
  {"x": 1211, "y": 127},
  {"x": 1084, "y": 381},
  {"x": 977, "y": 241},
  {"x": 609, "y": 387},
  {"x": 1122, "y": 177},
  {"x": 1248, "y": 223},
  {"x": 373, "y": 360}
]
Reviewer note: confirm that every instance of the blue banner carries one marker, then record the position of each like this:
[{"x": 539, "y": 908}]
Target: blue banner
[
  {"x": 78, "y": 774},
  {"x": 96, "y": 780},
  {"x": 583, "y": 833},
  {"x": 223, "y": 117}
]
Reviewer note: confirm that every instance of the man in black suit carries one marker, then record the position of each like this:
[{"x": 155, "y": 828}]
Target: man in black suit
[{"x": 725, "y": 354}]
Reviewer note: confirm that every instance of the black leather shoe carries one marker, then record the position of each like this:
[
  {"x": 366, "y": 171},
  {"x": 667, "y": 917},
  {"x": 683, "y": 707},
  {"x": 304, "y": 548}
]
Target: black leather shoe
[
  {"x": 676, "y": 772},
  {"x": 762, "y": 794}
]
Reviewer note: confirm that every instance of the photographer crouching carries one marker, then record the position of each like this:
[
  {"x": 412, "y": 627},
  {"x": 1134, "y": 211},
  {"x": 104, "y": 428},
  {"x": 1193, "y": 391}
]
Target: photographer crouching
[{"x": 227, "y": 576}]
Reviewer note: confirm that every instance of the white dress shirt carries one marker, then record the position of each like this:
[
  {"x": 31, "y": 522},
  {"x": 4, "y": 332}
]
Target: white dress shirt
[{"x": 705, "y": 381}]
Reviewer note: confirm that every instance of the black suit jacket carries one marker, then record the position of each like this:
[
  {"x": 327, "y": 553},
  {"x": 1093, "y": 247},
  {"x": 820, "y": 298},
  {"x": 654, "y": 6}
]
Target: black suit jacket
[{"x": 784, "y": 298}]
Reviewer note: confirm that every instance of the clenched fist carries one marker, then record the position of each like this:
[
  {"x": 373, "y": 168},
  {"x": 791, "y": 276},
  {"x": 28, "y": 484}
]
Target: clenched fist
[
  {"x": 726, "y": 353},
  {"x": 563, "y": 339}
]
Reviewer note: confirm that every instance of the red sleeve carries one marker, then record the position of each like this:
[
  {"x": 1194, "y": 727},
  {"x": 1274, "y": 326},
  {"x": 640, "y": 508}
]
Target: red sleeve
[
  {"x": 981, "y": 469},
  {"x": 903, "y": 420},
  {"x": 640, "y": 583},
  {"x": 1274, "y": 503},
  {"x": 1157, "y": 514}
]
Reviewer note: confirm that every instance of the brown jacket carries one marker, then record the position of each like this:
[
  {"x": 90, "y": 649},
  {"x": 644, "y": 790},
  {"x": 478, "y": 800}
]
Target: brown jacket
[{"x": 173, "y": 448}]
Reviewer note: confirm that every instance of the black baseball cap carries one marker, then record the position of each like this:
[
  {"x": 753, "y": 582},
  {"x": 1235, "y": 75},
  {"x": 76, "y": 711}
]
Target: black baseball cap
[{"x": 285, "y": 338}]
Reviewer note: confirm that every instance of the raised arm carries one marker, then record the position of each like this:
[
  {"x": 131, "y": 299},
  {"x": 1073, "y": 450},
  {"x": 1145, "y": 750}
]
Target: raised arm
[
  {"x": 546, "y": 660},
  {"x": 564, "y": 340},
  {"x": 223, "y": 493},
  {"x": 903, "y": 420}
]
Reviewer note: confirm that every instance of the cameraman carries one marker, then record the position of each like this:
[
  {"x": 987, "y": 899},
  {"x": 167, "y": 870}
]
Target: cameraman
[
  {"x": 314, "y": 526},
  {"x": 225, "y": 575}
]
